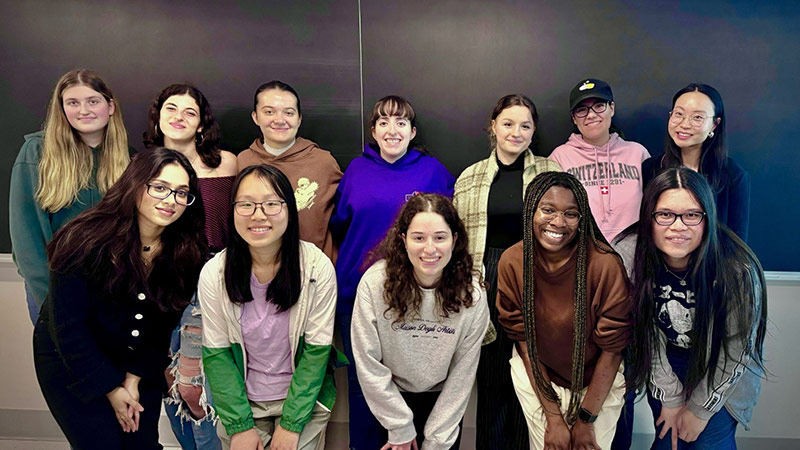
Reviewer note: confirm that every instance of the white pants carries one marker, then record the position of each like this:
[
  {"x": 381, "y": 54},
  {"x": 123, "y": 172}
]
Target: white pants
[{"x": 604, "y": 426}]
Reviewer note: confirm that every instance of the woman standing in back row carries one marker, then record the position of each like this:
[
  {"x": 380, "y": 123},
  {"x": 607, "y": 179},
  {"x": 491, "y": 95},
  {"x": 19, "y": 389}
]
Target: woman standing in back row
[
  {"x": 488, "y": 196},
  {"x": 63, "y": 170}
]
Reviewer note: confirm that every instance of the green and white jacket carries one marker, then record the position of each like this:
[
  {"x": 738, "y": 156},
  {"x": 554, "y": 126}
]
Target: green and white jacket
[{"x": 310, "y": 335}]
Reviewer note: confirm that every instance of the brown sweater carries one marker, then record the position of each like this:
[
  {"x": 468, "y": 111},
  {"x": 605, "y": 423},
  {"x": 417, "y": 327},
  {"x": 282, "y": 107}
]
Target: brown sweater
[
  {"x": 314, "y": 174},
  {"x": 608, "y": 313}
]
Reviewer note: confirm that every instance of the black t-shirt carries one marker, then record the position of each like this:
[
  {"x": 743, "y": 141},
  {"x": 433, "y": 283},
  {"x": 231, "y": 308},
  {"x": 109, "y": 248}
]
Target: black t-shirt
[
  {"x": 675, "y": 306},
  {"x": 504, "y": 211}
]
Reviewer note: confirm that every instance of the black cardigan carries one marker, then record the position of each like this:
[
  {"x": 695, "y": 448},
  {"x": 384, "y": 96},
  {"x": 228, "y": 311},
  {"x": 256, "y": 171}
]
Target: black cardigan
[{"x": 99, "y": 339}]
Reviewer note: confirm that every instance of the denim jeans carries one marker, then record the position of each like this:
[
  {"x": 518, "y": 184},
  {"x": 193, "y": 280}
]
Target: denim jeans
[
  {"x": 191, "y": 433},
  {"x": 33, "y": 307},
  {"x": 720, "y": 432},
  {"x": 366, "y": 433}
]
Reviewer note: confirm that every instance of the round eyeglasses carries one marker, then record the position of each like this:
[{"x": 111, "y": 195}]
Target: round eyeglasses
[
  {"x": 269, "y": 207},
  {"x": 549, "y": 214},
  {"x": 161, "y": 192},
  {"x": 695, "y": 120},
  {"x": 690, "y": 219},
  {"x": 583, "y": 111}
]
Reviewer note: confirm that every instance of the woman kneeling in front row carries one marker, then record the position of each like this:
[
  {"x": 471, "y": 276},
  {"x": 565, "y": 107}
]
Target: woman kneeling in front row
[{"x": 562, "y": 288}]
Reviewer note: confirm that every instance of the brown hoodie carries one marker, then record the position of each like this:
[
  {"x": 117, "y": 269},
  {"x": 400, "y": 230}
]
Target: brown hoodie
[{"x": 314, "y": 174}]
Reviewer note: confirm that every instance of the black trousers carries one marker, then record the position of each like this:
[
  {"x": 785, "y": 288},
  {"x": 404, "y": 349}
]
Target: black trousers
[
  {"x": 92, "y": 425},
  {"x": 421, "y": 404},
  {"x": 500, "y": 423}
]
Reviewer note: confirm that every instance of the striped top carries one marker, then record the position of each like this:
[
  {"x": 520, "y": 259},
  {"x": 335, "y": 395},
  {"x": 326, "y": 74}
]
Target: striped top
[{"x": 216, "y": 194}]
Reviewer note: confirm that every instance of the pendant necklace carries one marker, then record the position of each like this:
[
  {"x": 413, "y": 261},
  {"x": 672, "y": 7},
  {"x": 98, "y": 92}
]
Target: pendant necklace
[{"x": 681, "y": 280}]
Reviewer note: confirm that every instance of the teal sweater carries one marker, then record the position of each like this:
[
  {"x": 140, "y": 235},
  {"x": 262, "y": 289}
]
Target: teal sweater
[{"x": 31, "y": 227}]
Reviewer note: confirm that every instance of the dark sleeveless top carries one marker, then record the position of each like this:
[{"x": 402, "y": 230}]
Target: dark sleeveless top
[{"x": 216, "y": 193}]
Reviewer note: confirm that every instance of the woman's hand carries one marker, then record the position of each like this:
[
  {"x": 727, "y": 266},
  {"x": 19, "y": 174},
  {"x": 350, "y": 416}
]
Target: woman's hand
[
  {"x": 556, "y": 433},
  {"x": 284, "y": 440},
  {"x": 690, "y": 426},
  {"x": 407, "y": 446},
  {"x": 583, "y": 437},
  {"x": 669, "y": 417},
  {"x": 131, "y": 384},
  {"x": 122, "y": 401},
  {"x": 246, "y": 440}
]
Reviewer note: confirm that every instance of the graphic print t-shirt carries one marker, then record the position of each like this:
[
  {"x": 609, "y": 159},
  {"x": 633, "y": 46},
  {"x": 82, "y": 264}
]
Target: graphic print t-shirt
[{"x": 675, "y": 307}]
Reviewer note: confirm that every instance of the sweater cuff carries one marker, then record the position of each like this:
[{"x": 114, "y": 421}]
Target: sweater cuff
[
  {"x": 699, "y": 411},
  {"x": 675, "y": 403},
  {"x": 239, "y": 426},
  {"x": 403, "y": 434}
]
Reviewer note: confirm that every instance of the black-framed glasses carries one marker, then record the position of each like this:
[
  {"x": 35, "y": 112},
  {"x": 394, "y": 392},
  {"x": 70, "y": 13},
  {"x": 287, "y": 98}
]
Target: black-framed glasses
[
  {"x": 161, "y": 192},
  {"x": 690, "y": 219},
  {"x": 583, "y": 111},
  {"x": 269, "y": 207},
  {"x": 549, "y": 214},
  {"x": 695, "y": 120}
]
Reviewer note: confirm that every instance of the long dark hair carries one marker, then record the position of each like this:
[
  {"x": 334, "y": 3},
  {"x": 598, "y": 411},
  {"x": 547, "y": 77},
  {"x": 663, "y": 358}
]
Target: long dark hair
[
  {"x": 103, "y": 242},
  {"x": 713, "y": 152},
  {"x": 206, "y": 141},
  {"x": 588, "y": 234},
  {"x": 507, "y": 102},
  {"x": 401, "y": 290},
  {"x": 284, "y": 289},
  {"x": 725, "y": 274}
]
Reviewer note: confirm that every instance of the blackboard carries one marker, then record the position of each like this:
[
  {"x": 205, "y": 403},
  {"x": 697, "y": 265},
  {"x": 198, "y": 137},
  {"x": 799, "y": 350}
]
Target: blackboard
[{"x": 452, "y": 59}]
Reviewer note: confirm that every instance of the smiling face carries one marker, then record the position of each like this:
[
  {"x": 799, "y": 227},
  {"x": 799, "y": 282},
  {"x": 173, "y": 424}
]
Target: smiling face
[
  {"x": 87, "y": 111},
  {"x": 179, "y": 119},
  {"x": 429, "y": 243},
  {"x": 155, "y": 214},
  {"x": 555, "y": 236},
  {"x": 260, "y": 231},
  {"x": 513, "y": 129},
  {"x": 277, "y": 116},
  {"x": 393, "y": 135},
  {"x": 594, "y": 128},
  {"x": 692, "y": 104},
  {"x": 677, "y": 242}
]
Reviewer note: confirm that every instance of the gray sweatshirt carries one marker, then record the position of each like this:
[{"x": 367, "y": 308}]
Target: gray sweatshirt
[{"x": 423, "y": 353}]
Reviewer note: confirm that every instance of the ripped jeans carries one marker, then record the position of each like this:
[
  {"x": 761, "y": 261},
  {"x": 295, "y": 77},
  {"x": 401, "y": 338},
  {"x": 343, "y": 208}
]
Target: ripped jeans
[{"x": 188, "y": 403}]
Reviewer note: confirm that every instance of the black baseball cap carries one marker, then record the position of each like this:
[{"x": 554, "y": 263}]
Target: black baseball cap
[{"x": 590, "y": 88}]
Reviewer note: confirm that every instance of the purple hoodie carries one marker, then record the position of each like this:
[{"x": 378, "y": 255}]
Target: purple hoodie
[
  {"x": 368, "y": 198},
  {"x": 612, "y": 176}
]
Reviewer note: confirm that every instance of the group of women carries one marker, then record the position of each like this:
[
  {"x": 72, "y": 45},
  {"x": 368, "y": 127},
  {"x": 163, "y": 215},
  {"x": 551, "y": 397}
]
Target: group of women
[{"x": 428, "y": 294}]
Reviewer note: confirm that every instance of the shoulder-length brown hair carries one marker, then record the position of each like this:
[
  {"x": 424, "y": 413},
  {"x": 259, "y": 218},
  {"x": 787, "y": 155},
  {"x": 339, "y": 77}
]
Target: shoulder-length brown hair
[
  {"x": 103, "y": 242},
  {"x": 401, "y": 291}
]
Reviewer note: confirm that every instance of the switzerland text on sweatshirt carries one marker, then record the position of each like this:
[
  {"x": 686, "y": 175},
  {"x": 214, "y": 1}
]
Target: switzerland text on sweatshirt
[
  {"x": 612, "y": 176},
  {"x": 370, "y": 195},
  {"x": 314, "y": 174}
]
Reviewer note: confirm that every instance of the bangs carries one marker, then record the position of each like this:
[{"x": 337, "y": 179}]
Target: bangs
[{"x": 393, "y": 105}]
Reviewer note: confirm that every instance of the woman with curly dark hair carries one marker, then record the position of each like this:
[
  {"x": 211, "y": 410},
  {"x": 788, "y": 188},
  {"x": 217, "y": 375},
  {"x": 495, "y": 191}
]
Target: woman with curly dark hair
[
  {"x": 422, "y": 302},
  {"x": 563, "y": 288},
  {"x": 121, "y": 274},
  {"x": 180, "y": 118}
]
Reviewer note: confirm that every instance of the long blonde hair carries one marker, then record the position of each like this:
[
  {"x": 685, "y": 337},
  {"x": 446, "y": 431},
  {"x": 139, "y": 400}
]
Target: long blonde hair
[{"x": 67, "y": 162}]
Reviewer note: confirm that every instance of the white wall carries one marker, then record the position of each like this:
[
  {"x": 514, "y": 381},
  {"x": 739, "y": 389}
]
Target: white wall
[{"x": 775, "y": 416}]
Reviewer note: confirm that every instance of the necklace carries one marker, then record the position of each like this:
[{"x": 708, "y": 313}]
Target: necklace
[
  {"x": 153, "y": 246},
  {"x": 681, "y": 280}
]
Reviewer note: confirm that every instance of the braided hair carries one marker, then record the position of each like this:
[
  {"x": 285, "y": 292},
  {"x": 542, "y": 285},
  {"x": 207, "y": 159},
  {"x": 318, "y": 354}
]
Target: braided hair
[{"x": 587, "y": 231}]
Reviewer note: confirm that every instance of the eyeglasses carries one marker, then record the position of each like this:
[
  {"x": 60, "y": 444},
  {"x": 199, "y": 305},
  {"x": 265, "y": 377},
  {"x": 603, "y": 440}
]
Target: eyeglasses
[
  {"x": 695, "y": 120},
  {"x": 583, "y": 111},
  {"x": 690, "y": 219},
  {"x": 549, "y": 214},
  {"x": 161, "y": 192},
  {"x": 269, "y": 207}
]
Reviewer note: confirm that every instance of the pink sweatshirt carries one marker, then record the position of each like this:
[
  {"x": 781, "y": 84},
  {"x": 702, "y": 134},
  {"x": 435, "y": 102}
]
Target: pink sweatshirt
[{"x": 612, "y": 176}]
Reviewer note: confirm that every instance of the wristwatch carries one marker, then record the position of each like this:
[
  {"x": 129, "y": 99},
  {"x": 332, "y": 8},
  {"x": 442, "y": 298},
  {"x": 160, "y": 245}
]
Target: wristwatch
[{"x": 585, "y": 416}]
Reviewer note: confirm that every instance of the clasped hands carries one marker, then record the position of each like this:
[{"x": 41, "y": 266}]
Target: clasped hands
[{"x": 124, "y": 400}]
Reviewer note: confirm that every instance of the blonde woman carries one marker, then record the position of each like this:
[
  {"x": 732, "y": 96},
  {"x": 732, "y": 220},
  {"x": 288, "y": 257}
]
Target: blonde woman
[{"x": 63, "y": 170}]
